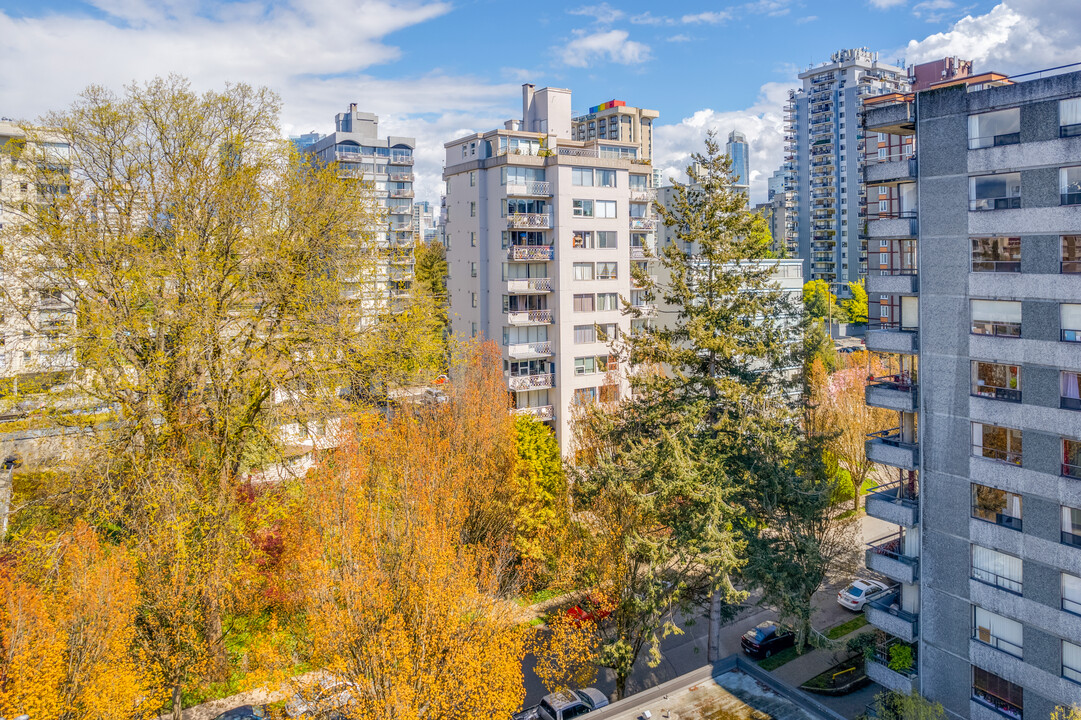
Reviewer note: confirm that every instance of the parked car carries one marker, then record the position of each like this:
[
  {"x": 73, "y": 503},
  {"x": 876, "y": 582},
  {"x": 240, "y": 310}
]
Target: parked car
[
  {"x": 244, "y": 712},
  {"x": 765, "y": 639},
  {"x": 329, "y": 694},
  {"x": 564, "y": 705},
  {"x": 861, "y": 592},
  {"x": 593, "y": 608}
]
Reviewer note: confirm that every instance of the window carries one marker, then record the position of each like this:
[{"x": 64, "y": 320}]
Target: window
[
  {"x": 995, "y": 568},
  {"x": 997, "y": 631},
  {"x": 582, "y": 177},
  {"x": 1070, "y": 322},
  {"x": 1071, "y": 593},
  {"x": 473, "y": 298},
  {"x": 637, "y": 210},
  {"x": 606, "y": 270},
  {"x": 1071, "y": 254},
  {"x": 998, "y": 317},
  {"x": 473, "y": 178},
  {"x": 998, "y": 693},
  {"x": 472, "y": 209},
  {"x": 608, "y": 301},
  {"x": 1071, "y": 526},
  {"x": 639, "y": 183},
  {"x": 997, "y": 443},
  {"x": 1002, "y": 127},
  {"x": 1071, "y": 661},
  {"x": 606, "y": 239},
  {"x": 583, "y": 396},
  {"x": 583, "y": 271},
  {"x": 584, "y": 334},
  {"x": 583, "y": 303},
  {"x": 996, "y": 506},
  {"x": 1069, "y": 183},
  {"x": 582, "y": 208},
  {"x": 1069, "y": 397},
  {"x": 1001, "y": 382},
  {"x": 606, "y": 332},
  {"x": 606, "y": 178},
  {"x": 1069, "y": 117},
  {"x": 582, "y": 239},
  {"x": 472, "y": 239},
  {"x": 472, "y": 269},
  {"x": 606, "y": 208},
  {"x": 994, "y": 192},
  {"x": 996, "y": 254},
  {"x": 609, "y": 393}
]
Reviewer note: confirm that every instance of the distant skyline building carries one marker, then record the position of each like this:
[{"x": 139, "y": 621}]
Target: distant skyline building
[
  {"x": 615, "y": 120},
  {"x": 775, "y": 184},
  {"x": 305, "y": 141},
  {"x": 737, "y": 149},
  {"x": 424, "y": 221}
]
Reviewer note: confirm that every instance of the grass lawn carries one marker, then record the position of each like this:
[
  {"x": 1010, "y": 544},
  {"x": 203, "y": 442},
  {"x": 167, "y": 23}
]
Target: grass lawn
[
  {"x": 775, "y": 661},
  {"x": 540, "y": 596},
  {"x": 846, "y": 627}
]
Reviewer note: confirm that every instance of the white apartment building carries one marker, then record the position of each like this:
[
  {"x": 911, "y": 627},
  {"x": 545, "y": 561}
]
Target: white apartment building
[{"x": 541, "y": 231}]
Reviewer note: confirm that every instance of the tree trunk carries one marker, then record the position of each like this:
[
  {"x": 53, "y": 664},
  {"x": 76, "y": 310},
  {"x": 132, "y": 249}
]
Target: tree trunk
[
  {"x": 856, "y": 487},
  {"x": 621, "y": 684},
  {"x": 713, "y": 652},
  {"x": 6, "y": 483},
  {"x": 178, "y": 703}
]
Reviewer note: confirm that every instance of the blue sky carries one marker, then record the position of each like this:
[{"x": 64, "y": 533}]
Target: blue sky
[{"x": 440, "y": 68}]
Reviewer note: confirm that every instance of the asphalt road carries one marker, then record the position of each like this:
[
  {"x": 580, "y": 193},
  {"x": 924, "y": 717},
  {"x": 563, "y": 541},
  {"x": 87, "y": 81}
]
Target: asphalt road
[{"x": 686, "y": 652}]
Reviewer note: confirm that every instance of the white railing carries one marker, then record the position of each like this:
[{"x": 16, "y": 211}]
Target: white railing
[
  {"x": 530, "y": 350},
  {"x": 522, "y": 383},
  {"x": 401, "y": 194},
  {"x": 643, "y": 224},
  {"x": 643, "y": 195},
  {"x": 401, "y": 177},
  {"x": 530, "y": 220},
  {"x": 577, "y": 152},
  {"x": 401, "y": 159},
  {"x": 531, "y": 252},
  {"x": 529, "y": 317},
  {"x": 529, "y": 285},
  {"x": 538, "y": 187},
  {"x": 638, "y": 253},
  {"x": 541, "y": 412}
]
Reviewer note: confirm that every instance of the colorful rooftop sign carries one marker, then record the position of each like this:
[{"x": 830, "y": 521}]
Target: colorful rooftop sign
[{"x": 605, "y": 106}]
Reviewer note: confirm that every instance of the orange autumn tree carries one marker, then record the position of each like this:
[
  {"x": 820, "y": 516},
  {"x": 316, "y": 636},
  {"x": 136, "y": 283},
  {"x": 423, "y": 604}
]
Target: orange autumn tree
[
  {"x": 401, "y": 547},
  {"x": 68, "y": 647}
]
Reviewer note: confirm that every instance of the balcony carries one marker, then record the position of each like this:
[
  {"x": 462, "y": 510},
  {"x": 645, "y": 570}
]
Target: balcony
[
  {"x": 540, "y": 412},
  {"x": 899, "y": 680},
  {"x": 648, "y": 195},
  {"x": 530, "y": 221},
  {"x": 529, "y": 317},
  {"x": 886, "y": 614},
  {"x": 529, "y": 351},
  {"x": 638, "y": 252},
  {"x": 896, "y": 503},
  {"x": 898, "y": 225},
  {"x": 401, "y": 177},
  {"x": 530, "y": 189},
  {"x": 890, "y": 170},
  {"x": 531, "y": 253},
  {"x": 637, "y": 223},
  {"x": 522, "y": 383},
  {"x": 402, "y": 194},
  {"x": 884, "y": 556},
  {"x": 893, "y": 392},
  {"x": 400, "y": 159},
  {"x": 887, "y": 448},
  {"x": 893, "y": 340},
  {"x": 896, "y": 118},
  {"x": 905, "y": 282},
  {"x": 529, "y": 286}
]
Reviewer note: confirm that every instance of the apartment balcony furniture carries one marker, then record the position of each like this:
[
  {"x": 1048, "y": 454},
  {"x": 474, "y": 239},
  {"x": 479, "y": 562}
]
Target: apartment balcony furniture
[
  {"x": 401, "y": 177},
  {"x": 400, "y": 159},
  {"x": 530, "y": 189},
  {"x": 897, "y": 503},
  {"x": 531, "y": 253},
  {"x": 879, "y": 670},
  {"x": 886, "y": 614},
  {"x": 887, "y": 448},
  {"x": 522, "y": 383},
  {"x": 529, "y": 221},
  {"x": 529, "y": 286},
  {"x": 540, "y": 412},
  {"x": 884, "y": 556},
  {"x": 530, "y": 351},
  {"x": 529, "y": 317},
  {"x": 893, "y": 392},
  {"x": 893, "y": 340}
]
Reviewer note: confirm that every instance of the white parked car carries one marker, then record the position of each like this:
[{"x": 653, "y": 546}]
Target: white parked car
[{"x": 861, "y": 592}]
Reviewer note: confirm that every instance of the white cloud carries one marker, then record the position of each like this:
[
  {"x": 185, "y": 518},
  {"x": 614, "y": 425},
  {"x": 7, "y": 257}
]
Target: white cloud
[
  {"x": 885, "y": 4},
  {"x": 611, "y": 44},
  {"x": 604, "y": 13},
  {"x": 681, "y": 38},
  {"x": 807, "y": 19},
  {"x": 648, "y": 18},
  {"x": 708, "y": 18},
  {"x": 1016, "y": 36},
  {"x": 933, "y": 11},
  {"x": 761, "y": 123}
]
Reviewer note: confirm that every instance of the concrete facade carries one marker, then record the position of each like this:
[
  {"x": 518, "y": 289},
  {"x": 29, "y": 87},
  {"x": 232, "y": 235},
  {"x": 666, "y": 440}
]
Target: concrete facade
[{"x": 993, "y": 357}]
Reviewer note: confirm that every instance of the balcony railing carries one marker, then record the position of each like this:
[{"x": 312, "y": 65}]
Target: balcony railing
[
  {"x": 998, "y": 329},
  {"x": 576, "y": 151},
  {"x": 529, "y": 285},
  {"x": 1006, "y": 203},
  {"x": 892, "y": 157},
  {"x": 886, "y": 613},
  {"x": 530, "y": 221},
  {"x": 400, "y": 159},
  {"x": 1070, "y": 267},
  {"x": 984, "y": 636},
  {"x": 638, "y": 252},
  {"x": 402, "y": 194},
  {"x": 997, "y": 393},
  {"x": 531, "y": 253},
  {"x": 1008, "y": 456},
  {"x": 896, "y": 503},
  {"x": 521, "y": 383},
  {"x": 541, "y": 412},
  {"x": 643, "y": 223},
  {"x": 529, "y": 317},
  {"x": 643, "y": 195},
  {"x": 996, "y": 703},
  {"x": 530, "y": 350},
  {"x": 533, "y": 189},
  {"x": 401, "y": 177}
]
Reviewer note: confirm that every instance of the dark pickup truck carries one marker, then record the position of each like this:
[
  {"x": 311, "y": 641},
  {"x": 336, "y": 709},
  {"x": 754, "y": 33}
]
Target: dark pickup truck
[{"x": 564, "y": 705}]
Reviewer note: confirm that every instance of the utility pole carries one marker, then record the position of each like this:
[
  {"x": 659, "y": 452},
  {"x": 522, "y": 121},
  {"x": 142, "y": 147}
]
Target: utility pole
[{"x": 6, "y": 483}]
